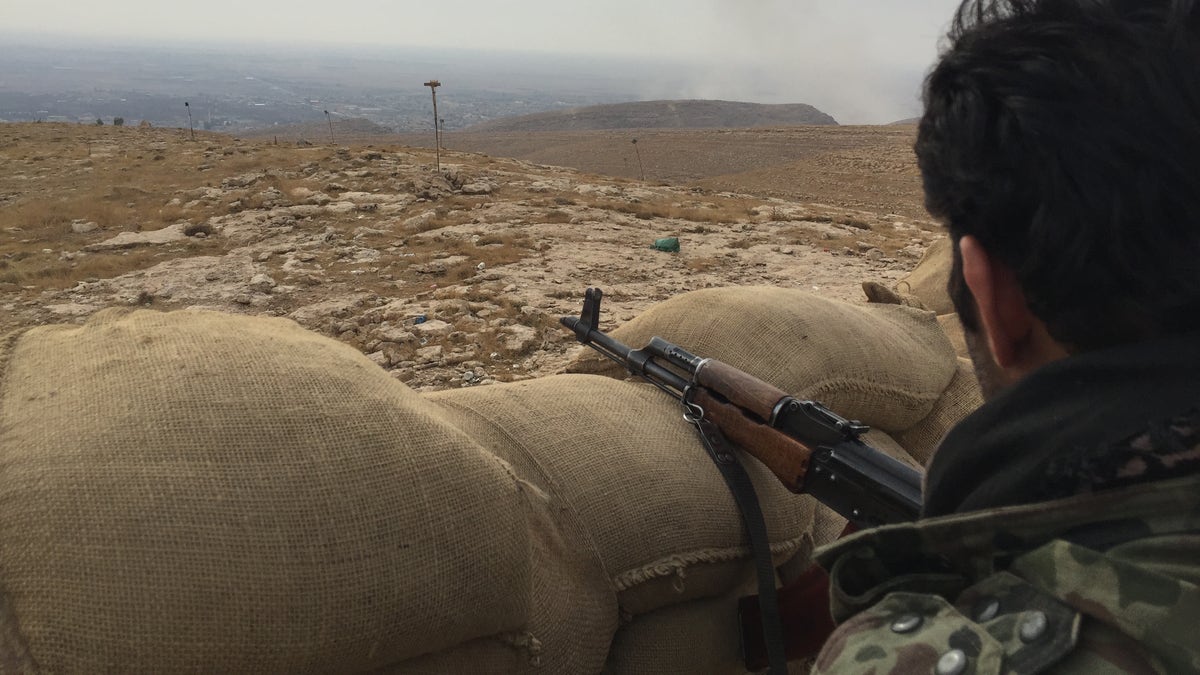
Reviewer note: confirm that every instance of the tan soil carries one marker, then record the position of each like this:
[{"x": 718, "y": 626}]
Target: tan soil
[{"x": 362, "y": 243}]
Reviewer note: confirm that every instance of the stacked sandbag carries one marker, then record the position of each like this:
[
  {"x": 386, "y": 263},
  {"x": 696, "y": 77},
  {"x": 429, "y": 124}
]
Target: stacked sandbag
[
  {"x": 625, "y": 468},
  {"x": 194, "y": 491},
  {"x": 201, "y": 492},
  {"x": 198, "y": 491},
  {"x": 927, "y": 281},
  {"x": 925, "y": 288}
]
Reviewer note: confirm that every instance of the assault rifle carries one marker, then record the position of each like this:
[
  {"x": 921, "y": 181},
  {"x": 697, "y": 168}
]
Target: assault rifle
[{"x": 808, "y": 447}]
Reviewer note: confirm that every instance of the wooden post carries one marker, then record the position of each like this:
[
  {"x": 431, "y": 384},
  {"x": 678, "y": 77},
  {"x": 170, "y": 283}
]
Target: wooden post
[
  {"x": 437, "y": 133},
  {"x": 641, "y": 169}
]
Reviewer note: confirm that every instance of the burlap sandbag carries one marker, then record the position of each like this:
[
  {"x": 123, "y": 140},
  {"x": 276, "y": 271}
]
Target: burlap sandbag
[
  {"x": 698, "y": 636},
  {"x": 960, "y": 399},
  {"x": 629, "y": 471},
  {"x": 194, "y": 491},
  {"x": 928, "y": 280},
  {"x": 953, "y": 329},
  {"x": 884, "y": 364},
  {"x": 201, "y": 492}
]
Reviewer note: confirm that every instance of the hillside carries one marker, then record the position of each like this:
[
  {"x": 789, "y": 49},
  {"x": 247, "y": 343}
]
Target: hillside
[
  {"x": 857, "y": 167},
  {"x": 694, "y": 114},
  {"x": 344, "y": 130},
  {"x": 444, "y": 280}
]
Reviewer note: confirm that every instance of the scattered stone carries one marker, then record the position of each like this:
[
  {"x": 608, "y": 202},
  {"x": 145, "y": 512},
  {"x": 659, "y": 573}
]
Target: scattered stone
[
  {"x": 432, "y": 328},
  {"x": 419, "y": 221},
  {"x": 243, "y": 181},
  {"x": 262, "y": 283},
  {"x": 429, "y": 354},
  {"x": 518, "y": 339},
  {"x": 477, "y": 189},
  {"x": 167, "y": 235},
  {"x": 83, "y": 227},
  {"x": 200, "y": 230},
  {"x": 72, "y": 309}
]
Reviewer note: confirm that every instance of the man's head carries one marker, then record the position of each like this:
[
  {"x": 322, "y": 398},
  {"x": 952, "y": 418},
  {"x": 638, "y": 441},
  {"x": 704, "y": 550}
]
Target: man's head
[{"x": 1061, "y": 146}]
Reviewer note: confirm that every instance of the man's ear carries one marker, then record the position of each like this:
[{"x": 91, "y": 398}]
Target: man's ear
[{"x": 1004, "y": 317}]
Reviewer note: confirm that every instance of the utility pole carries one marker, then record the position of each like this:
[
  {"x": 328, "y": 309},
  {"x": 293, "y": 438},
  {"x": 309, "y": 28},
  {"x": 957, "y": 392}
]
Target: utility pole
[
  {"x": 327, "y": 119},
  {"x": 191, "y": 127},
  {"x": 437, "y": 133},
  {"x": 641, "y": 169}
]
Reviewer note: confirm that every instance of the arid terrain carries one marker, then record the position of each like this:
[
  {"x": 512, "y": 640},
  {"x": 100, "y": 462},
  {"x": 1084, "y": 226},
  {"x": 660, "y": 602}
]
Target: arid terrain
[
  {"x": 450, "y": 279},
  {"x": 858, "y": 167}
]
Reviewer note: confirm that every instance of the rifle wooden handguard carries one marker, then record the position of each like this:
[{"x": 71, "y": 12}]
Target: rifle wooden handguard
[
  {"x": 785, "y": 457},
  {"x": 752, "y": 393}
]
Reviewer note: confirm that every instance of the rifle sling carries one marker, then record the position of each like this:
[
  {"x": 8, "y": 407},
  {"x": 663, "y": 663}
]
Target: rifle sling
[{"x": 742, "y": 489}]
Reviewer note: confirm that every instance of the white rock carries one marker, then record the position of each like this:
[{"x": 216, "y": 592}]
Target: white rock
[
  {"x": 395, "y": 334},
  {"x": 167, "y": 235},
  {"x": 429, "y": 354},
  {"x": 72, "y": 309},
  {"x": 262, "y": 283},
  {"x": 420, "y": 220},
  {"x": 477, "y": 189},
  {"x": 518, "y": 339},
  {"x": 340, "y": 207},
  {"x": 433, "y": 327}
]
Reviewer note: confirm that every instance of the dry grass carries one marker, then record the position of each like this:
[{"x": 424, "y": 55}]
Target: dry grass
[
  {"x": 50, "y": 270},
  {"x": 704, "y": 264},
  {"x": 716, "y": 210},
  {"x": 122, "y": 179},
  {"x": 746, "y": 242},
  {"x": 556, "y": 216},
  {"x": 443, "y": 216}
]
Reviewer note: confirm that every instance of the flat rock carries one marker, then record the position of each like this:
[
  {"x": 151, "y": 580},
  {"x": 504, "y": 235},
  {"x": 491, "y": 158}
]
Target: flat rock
[
  {"x": 167, "y": 235},
  {"x": 72, "y": 309},
  {"x": 433, "y": 327}
]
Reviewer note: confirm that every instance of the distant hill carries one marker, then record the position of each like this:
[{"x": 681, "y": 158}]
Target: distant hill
[
  {"x": 663, "y": 115},
  {"x": 910, "y": 120}
]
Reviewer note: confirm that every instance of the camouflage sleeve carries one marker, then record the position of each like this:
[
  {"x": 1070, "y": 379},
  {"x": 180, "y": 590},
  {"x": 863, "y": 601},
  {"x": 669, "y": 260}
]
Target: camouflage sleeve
[
  {"x": 1062, "y": 609},
  {"x": 1139, "y": 619},
  {"x": 998, "y": 626}
]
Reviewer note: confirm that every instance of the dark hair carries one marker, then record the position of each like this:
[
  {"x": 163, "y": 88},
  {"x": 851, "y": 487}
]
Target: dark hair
[{"x": 1065, "y": 136}]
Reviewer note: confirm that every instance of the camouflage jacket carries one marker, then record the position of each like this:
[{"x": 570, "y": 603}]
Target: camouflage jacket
[
  {"x": 1055, "y": 539},
  {"x": 1001, "y": 591}
]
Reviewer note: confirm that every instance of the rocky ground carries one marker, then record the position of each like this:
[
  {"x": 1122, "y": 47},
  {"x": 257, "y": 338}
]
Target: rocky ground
[{"x": 445, "y": 279}]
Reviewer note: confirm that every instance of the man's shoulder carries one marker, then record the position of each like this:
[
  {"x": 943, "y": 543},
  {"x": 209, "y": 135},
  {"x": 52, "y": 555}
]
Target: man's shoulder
[
  {"x": 1001, "y": 624},
  {"x": 1103, "y": 583}
]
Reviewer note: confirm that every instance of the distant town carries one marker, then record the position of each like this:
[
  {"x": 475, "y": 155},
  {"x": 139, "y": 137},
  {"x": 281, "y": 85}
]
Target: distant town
[{"x": 235, "y": 92}]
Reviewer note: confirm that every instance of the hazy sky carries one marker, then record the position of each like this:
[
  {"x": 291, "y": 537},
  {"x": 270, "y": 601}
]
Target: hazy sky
[{"x": 859, "y": 60}]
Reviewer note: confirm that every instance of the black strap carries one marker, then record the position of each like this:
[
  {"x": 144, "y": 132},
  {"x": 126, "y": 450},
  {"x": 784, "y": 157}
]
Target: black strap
[{"x": 723, "y": 455}]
